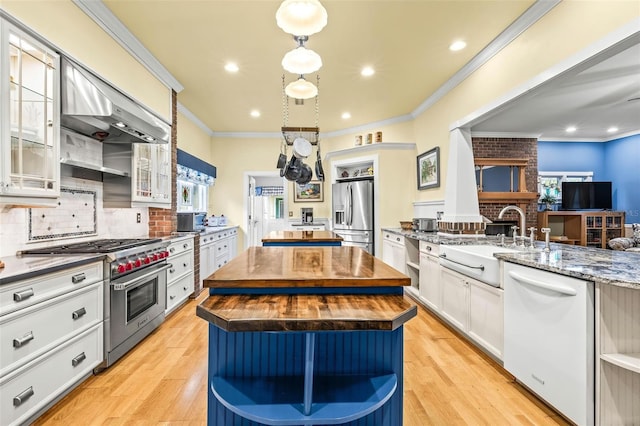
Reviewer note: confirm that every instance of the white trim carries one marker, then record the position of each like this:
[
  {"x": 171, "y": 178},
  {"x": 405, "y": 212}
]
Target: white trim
[
  {"x": 504, "y": 135},
  {"x": 524, "y": 21},
  {"x": 191, "y": 116},
  {"x": 102, "y": 16},
  {"x": 607, "y": 139},
  {"x": 428, "y": 203},
  {"x": 371, "y": 147},
  {"x": 624, "y": 33}
]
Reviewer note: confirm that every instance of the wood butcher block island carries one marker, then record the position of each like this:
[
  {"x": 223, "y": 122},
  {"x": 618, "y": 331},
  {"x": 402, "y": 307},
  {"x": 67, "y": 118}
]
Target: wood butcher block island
[
  {"x": 306, "y": 336},
  {"x": 301, "y": 238}
]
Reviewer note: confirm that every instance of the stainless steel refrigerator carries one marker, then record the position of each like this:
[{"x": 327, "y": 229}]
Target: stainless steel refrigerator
[{"x": 352, "y": 213}]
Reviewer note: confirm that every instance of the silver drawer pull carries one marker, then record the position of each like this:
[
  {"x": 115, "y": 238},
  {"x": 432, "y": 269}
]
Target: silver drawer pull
[
  {"x": 77, "y": 360},
  {"x": 77, "y": 314},
  {"x": 184, "y": 264},
  {"x": 22, "y": 396},
  {"x": 23, "y": 295},
  {"x": 21, "y": 341},
  {"x": 78, "y": 278},
  {"x": 172, "y": 297},
  {"x": 184, "y": 288},
  {"x": 172, "y": 270},
  {"x": 185, "y": 246},
  {"x": 172, "y": 249}
]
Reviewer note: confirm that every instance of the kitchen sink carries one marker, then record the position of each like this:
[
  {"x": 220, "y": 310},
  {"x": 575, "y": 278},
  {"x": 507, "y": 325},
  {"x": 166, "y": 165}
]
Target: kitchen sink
[{"x": 475, "y": 261}]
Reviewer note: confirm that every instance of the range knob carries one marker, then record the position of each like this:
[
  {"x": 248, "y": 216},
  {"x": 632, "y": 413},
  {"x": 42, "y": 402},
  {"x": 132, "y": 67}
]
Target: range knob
[
  {"x": 121, "y": 268},
  {"x": 166, "y": 254},
  {"x": 147, "y": 260},
  {"x": 156, "y": 256},
  {"x": 160, "y": 255},
  {"x": 138, "y": 263},
  {"x": 129, "y": 266}
]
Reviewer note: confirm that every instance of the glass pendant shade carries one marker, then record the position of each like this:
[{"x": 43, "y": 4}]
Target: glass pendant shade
[
  {"x": 301, "y": 17},
  {"x": 301, "y": 89},
  {"x": 301, "y": 61}
]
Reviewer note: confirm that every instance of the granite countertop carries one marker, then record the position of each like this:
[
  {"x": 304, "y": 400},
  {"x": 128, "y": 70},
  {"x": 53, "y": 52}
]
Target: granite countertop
[
  {"x": 611, "y": 267},
  {"x": 211, "y": 229},
  {"x": 23, "y": 267}
]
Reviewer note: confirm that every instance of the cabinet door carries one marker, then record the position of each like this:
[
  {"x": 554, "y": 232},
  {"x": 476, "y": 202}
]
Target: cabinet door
[
  {"x": 151, "y": 180},
  {"x": 387, "y": 252},
  {"x": 430, "y": 288},
  {"x": 455, "y": 302},
  {"x": 486, "y": 312},
  {"x": 29, "y": 117}
]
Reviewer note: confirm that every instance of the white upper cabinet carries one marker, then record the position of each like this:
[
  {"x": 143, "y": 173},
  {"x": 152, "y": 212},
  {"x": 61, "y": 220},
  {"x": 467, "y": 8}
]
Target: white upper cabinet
[
  {"x": 151, "y": 180},
  {"x": 29, "y": 119}
]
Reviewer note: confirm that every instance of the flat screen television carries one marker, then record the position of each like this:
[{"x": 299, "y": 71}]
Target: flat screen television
[{"x": 586, "y": 196}]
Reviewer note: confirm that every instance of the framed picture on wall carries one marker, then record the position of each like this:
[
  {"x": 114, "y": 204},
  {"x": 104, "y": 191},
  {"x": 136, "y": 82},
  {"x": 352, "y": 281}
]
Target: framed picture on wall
[
  {"x": 311, "y": 192},
  {"x": 428, "y": 169}
]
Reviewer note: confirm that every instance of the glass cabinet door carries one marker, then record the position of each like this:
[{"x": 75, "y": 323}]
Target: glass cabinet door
[
  {"x": 152, "y": 174},
  {"x": 162, "y": 173},
  {"x": 30, "y": 139}
]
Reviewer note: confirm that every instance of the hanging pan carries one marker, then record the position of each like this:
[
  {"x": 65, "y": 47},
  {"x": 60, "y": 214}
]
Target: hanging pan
[{"x": 319, "y": 170}]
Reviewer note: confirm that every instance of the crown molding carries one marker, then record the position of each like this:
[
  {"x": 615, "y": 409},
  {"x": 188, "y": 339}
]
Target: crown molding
[
  {"x": 520, "y": 25},
  {"x": 504, "y": 135},
  {"x": 191, "y": 116},
  {"x": 102, "y": 16},
  {"x": 576, "y": 139}
]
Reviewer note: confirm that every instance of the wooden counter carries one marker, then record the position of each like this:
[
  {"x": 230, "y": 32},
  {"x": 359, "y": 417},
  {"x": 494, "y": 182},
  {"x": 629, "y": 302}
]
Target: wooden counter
[
  {"x": 301, "y": 238},
  {"x": 306, "y": 335}
]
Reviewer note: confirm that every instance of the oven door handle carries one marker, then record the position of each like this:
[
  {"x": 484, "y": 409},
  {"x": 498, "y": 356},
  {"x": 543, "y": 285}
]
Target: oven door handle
[{"x": 139, "y": 280}]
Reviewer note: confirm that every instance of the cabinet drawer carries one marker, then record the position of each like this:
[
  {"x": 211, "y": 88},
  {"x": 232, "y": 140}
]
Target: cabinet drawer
[
  {"x": 43, "y": 287},
  {"x": 430, "y": 248},
  {"x": 179, "y": 291},
  {"x": 30, "y": 332},
  {"x": 222, "y": 248},
  {"x": 29, "y": 389},
  {"x": 180, "y": 247},
  {"x": 221, "y": 261},
  {"x": 394, "y": 238},
  {"x": 181, "y": 265}
]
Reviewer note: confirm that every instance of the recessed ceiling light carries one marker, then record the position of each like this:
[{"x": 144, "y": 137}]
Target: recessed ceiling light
[
  {"x": 612, "y": 129},
  {"x": 457, "y": 45},
  {"x": 255, "y": 113},
  {"x": 367, "y": 71},
  {"x": 231, "y": 67},
  {"x": 346, "y": 115},
  {"x": 571, "y": 129}
]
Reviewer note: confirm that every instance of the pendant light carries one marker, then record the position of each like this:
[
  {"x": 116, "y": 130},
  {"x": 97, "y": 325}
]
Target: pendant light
[
  {"x": 301, "y": 89},
  {"x": 301, "y": 17},
  {"x": 301, "y": 61}
]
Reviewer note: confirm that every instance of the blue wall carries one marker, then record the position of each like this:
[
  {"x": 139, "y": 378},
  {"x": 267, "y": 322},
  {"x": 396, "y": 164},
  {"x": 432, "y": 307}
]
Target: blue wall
[
  {"x": 617, "y": 161},
  {"x": 622, "y": 157}
]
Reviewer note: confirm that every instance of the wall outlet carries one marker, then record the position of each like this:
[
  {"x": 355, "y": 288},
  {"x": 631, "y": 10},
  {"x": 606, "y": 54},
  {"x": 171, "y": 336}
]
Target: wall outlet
[
  {"x": 138, "y": 218},
  {"x": 290, "y": 214}
]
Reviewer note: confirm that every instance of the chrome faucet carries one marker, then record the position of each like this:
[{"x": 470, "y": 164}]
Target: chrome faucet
[
  {"x": 523, "y": 219},
  {"x": 546, "y": 232}
]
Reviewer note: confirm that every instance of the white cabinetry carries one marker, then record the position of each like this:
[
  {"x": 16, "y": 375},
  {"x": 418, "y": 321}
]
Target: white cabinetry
[
  {"x": 393, "y": 251},
  {"x": 151, "y": 177},
  {"x": 217, "y": 248},
  {"x": 51, "y": 339},
  {"x": 430, "y": 287},
  {"x": 475, "y": 308},
  {"x": 29, "y": 120},
  {"x": 617, "y": 355},
  {"x": 180, "y": 281}
]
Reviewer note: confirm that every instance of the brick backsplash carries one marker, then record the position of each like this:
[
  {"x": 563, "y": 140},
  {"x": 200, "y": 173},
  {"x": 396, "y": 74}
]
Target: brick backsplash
[{"x": 510, "y": 148}]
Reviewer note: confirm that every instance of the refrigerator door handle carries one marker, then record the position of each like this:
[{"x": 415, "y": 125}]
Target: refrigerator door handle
[{"x": 350, "y": 205}]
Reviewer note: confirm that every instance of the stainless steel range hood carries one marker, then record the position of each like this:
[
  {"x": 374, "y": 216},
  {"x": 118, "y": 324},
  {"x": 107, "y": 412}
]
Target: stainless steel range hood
[{"x": 94, "y": 108}]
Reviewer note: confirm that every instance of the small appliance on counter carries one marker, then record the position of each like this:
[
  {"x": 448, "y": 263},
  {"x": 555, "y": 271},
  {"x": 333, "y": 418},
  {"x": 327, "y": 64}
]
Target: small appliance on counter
[
  {"x": 306, "y": 213},
  {"x": 425, "y": 225},
  {"x": 192, "y": 221}
]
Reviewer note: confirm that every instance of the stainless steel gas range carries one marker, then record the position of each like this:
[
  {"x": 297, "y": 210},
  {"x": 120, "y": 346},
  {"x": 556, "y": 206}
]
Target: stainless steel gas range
[{"x": 135, "y": 294}]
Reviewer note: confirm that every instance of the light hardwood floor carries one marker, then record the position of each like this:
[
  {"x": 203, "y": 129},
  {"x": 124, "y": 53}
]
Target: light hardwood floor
[{"x": 163, "y": 381}]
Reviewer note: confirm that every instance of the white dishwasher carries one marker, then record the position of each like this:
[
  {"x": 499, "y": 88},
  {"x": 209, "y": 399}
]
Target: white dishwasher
[{"x": 549, "y": 338}]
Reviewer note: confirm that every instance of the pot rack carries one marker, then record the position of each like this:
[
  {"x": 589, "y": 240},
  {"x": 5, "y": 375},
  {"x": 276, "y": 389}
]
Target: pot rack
[{"x": 312, "y": 134}]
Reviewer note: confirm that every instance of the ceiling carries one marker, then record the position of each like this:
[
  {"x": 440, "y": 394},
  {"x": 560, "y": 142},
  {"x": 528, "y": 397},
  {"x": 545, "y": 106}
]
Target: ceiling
[{"x": 406, "y": 42}]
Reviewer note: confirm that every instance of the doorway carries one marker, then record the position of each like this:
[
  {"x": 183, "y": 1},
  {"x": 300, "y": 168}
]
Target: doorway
[{"x": 266, "y": 201}]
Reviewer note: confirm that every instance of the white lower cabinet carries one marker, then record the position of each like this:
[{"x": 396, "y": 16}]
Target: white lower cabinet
[
  {"x": 30, "y": 388},
  {"x": 180, "y": 276},
  {"x": 430, "y": 285},
  {"x": 217, "y": 249},
  {"x": 475, "y": 308},
  {"x": 51, "y": 338},
  {"x": 393, "y": 251}
]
